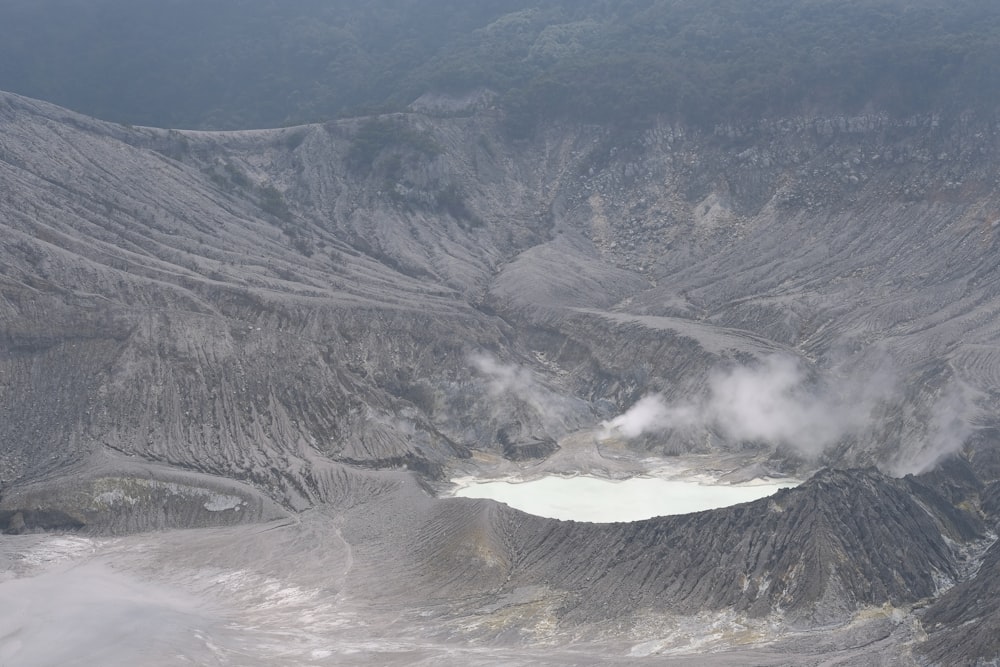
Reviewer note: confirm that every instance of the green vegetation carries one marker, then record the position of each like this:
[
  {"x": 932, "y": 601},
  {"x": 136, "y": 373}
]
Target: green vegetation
[
  {"x": 380, "y": 134},
  {"x": 229, "y": 177},
  {"x": 191, "y": 63},
  {"x": 273, "y": 202},
  {"x": 452, "y": 200}
]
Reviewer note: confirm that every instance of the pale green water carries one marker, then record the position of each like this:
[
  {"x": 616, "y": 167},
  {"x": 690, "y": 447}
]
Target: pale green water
[{"x": 587, "y": 498}]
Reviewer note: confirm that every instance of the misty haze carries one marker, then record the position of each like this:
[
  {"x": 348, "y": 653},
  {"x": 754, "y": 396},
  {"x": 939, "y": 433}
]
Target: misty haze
[{"x": 562, "y": 332}]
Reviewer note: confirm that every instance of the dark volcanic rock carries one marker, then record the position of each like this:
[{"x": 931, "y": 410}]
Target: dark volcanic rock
[
  {"x": 984, "y": 453},
  {"x": 963, "y": 626},
  {"x": 240, "y": 303},
  {"x": 15, "y": 524},
  {"x": 991, "y": 501},
  {"x": 819, "y": 552},
  {"x": 517, "y": 448},
  {"x": 130, "y": 498}
]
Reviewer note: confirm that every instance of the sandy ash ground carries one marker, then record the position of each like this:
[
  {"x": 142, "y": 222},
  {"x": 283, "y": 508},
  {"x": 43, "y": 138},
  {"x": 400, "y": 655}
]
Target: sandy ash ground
[
  {"x": 186, "y": 597},
  {"x": 294, "y": 591}
]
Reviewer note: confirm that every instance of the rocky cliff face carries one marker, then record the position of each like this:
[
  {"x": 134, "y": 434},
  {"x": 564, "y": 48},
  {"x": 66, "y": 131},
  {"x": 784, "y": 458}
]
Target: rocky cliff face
[
  {"x": 287, "y": 309},
  {"x": 224, "y": 301}
]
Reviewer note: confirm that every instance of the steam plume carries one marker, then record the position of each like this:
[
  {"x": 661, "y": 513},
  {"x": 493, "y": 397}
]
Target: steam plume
[
  {"x": 556, "y": 413},
  {"x": 772, "y": 402},
  {"x": 949, "y": 426}
]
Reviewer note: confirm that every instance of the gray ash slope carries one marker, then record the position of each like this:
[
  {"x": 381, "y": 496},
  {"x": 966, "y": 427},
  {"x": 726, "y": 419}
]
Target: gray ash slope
[{"x": 261, "y": 320}]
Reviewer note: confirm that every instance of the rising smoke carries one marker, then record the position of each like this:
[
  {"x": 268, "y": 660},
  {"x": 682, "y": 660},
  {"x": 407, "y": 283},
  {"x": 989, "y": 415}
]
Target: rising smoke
[
  {"x": 775, "y": 401},
  {"x": 556, "y": 413},
  {"x": 511, "y": 379},
  {"x": 772, "y": 402},
  {"x": 950, "y": 424}
]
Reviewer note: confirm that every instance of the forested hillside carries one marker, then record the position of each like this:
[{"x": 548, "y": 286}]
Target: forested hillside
[{"x": 254, "y": 63}]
